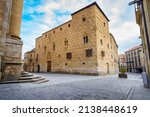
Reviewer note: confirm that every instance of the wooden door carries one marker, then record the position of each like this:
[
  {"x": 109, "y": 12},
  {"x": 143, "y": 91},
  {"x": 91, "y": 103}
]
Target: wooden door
[{"x": 49, "y": 66}]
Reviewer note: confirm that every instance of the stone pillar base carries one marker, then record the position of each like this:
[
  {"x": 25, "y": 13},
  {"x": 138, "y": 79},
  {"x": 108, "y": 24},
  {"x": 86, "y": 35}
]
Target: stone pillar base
[
  {"x": 12, "y": 60},
  {"x": 12, "y": 72}
]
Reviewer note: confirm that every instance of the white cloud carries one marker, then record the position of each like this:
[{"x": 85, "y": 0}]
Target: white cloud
[{"x": 55, "y": 12}]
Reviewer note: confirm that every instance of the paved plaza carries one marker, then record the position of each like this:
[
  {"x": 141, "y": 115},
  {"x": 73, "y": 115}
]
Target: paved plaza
[{"x": 78, "y": 87}]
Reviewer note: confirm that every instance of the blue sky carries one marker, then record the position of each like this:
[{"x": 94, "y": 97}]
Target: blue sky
[{"x": 40, "y": 16}]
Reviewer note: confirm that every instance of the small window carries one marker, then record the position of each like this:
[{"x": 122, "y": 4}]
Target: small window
[
  {"x": 83, "y": 19},
  {"x": 54, "y": 32},
  {"x": 60, "y": 29},
  {"x": 45, "y": 48},
  {"x": 102, "y": 53},
  {"x": 101, "y": 41},
  {"x": 108, "y": 46},
  {"x": 85, "y": 39},
  {"x": 69, "y": 55},
  {"x": 69, "y": 25},
  {"x": 37, "y": 57},
  {"x": 45, "y": 35},
  {"x": 54, "y": 46},
  {"x": 66, "y": 42},
  {"x": 104, "y": 24},
  {"x": 89, "y": 53}
]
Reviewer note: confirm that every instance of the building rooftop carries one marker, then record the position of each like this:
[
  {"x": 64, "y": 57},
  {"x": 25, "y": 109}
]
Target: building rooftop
[
  {"x": 134, "y": 48},
  {"x": 94, "y": 3}
]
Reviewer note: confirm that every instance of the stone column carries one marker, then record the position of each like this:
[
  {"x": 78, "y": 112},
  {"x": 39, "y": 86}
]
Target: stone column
[
  {"x": 13, "y": 43},
  {"x": 15, "y": 20},
  {"x": 2, "y": 9}
]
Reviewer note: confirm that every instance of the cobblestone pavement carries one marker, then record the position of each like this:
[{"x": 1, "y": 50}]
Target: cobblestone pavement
[{"x": 77, "y": 87}]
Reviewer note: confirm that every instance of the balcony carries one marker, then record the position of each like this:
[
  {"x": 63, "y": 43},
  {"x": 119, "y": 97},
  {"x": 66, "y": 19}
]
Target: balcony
[{"x": 138, "y": 17}]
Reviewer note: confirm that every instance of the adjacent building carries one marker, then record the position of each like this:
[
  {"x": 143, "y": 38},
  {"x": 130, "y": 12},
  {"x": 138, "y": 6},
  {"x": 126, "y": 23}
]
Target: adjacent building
[
  {"x": 142, "y": 12},
  {"x": 82, "y": 45},
  {"x": 29, "y": 61},
  {"x": 10, "y": 41},
  {"x": 122, "y": 60},
  {"x": 135, "y": 59}
]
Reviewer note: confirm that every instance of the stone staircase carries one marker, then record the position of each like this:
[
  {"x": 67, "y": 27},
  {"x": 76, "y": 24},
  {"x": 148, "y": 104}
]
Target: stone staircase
[{"x": 27, "y": 77}]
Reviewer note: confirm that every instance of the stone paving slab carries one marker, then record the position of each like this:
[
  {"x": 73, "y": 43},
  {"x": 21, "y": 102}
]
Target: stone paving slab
[{"x": 77, "y": 87}]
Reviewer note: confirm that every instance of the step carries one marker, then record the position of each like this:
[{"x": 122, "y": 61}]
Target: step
[
  {"x": 41, "y": 81},
  {"x": 17, "y": 81},
  {"x": 29, "y": 78},
  {"x": 27, "y": 75}
]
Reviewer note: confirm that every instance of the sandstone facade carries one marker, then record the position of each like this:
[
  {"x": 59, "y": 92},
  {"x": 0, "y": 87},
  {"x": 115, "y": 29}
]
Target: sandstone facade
[
  {"x": 29, "y": 61},
  {"x": 82, "y": 45},
  {"x": 10, "y": 41},
  {"x": 142, "y": 11}
]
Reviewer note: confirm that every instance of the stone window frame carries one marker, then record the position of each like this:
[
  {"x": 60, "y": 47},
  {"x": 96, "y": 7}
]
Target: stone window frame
[
  {"x": 69, "y": 55},
  {"x": 66, "y": 42},
  {"x": 101, "y": 41},
  {"x": 89, "y": 52},
  {"x": 83, "y": 18},
  {"x": 45, "y": 49},
  {"x": 104, "y": 24},
  {"x": 45, "y": 35},
  {"x": 54, "y": 46},
  {"x": 86, "y": 39},
  {"x": 69, "y": 25}
]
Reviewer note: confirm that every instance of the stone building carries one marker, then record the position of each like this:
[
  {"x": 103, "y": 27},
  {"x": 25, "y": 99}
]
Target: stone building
[
  {"x": 135, "y": 59},
  {"x": 29, "y": 61},
  {"x": 10, "y": 41},
  {"x": 82, "y": 45},
  {"x": 122, "y": 60},
  {"x": 142, "y": 13}
]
